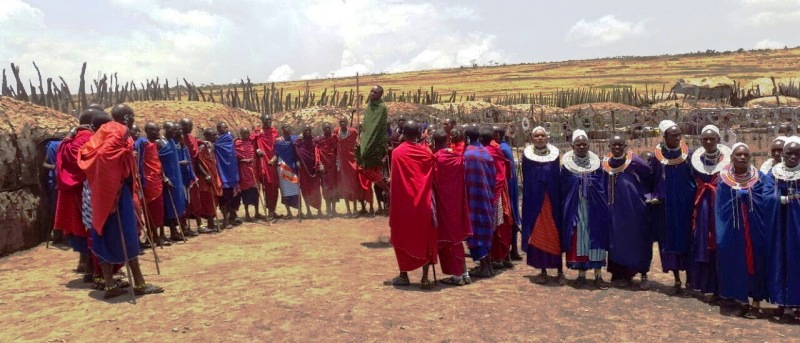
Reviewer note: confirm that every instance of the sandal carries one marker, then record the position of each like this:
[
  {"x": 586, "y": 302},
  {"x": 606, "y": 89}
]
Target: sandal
[
  {"x": 204, "y": 230},
  {"x": 190, "y": 233},
  {"x": 453, "y": 281},
  {"x": 426, "y": 285},
  {"x": 476, "y": 272},
  {"x": 147, "y": 288},
  {"x": 113, "y": 292},
  {"x": 397, "y": 281},
  {"x": 540, "y": 279}
]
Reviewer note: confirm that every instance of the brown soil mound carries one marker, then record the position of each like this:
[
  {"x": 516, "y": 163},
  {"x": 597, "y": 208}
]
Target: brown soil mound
[
  {"x": 464, "y": 106},
  {"x": 770, "y": 101},
  {"x": 23, "y": 127},
  {"x": 412, "y": 111},
  {"x": 765, "y": 85},
  {"x": 202, "y": 114},
  {"x": 314, "y": 116},
  {"x": 601, "y": 106},
  {"x": 688, "y": 104}
]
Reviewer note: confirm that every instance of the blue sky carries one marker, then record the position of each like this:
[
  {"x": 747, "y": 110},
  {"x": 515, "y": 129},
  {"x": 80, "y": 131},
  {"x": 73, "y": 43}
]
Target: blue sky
[{"x": 208, "y": 41}]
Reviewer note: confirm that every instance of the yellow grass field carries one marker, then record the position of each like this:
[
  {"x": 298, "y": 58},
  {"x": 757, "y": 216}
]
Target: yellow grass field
[{"x": 655, "y": 72}]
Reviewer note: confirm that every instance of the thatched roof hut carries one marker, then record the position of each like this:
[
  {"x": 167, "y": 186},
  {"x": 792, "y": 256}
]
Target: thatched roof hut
[{"x": 714, "y": 88}]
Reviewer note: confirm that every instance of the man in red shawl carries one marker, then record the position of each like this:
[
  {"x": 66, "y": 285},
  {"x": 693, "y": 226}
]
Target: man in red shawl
[
  {"x": 266, "y": 171},
  {"x": 348, "y": 184},
  {"x": 452, "y": 210},
  {"x": 246, "y": 154},
  {"x": 411, "y": 217},
  {"x": 152, "y": 180},
  {"x": 191, "y": 143},
  {"x": 107, "y": 160},
  {"x": 209, "y": 183},
  {"x": 501, "y": 244},
  {"x": 326, "y": 148},
  {"x": 309, "y": 175},
  {"x": 70, "y": 190}
]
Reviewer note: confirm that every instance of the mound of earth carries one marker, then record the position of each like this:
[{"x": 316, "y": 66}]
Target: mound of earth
[
  {"x": 771, "y": 101},
  {"x": 463, "y": 106},
  {"x": 765, "y": 85},
  {"x": 600, "y": 106},
  {"x": 314, "y": 116},
  {"x": 26, "y": 212},
  {"x": 202, "y": 114},
  {"x": 688, "y": 104},
  {"x": 413, "y": 111}
]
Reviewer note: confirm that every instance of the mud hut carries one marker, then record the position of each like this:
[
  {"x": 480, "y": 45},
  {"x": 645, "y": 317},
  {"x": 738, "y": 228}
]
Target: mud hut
[
  {"x": 202, "y": 114},
  {"x": 23, "y": 202},
  {"x": 712, "y": 88}
]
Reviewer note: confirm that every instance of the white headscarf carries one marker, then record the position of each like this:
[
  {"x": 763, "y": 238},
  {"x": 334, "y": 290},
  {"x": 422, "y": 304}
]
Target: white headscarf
[
  {"x": 578, "y": 133},
  {"x": 713, "y": 128},
  {"x": 738, "y": 145},
  {"x": 668, "y": 124},
  {"x": 791, "y": 139},
  {"x": 540, "y": 128},
  {"x": 780, "y": 138}
]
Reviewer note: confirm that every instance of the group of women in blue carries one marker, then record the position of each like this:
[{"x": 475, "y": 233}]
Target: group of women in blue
[{"x": 731, "y": 227}]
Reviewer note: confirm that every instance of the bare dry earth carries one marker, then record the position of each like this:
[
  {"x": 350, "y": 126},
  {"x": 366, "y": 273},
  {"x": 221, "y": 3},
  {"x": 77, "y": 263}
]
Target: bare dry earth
[{"x": 320, "y": 280}]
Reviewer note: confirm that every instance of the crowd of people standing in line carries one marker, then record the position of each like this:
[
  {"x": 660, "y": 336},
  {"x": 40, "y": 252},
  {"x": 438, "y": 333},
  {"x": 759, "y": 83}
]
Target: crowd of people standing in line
[
  {"x": 730, "y": 228},
  {"x": 114, "y": 186}
]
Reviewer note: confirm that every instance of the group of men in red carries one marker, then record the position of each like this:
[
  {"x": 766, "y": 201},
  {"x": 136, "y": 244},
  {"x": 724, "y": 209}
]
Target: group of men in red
[{"x": 445, "y": 191}]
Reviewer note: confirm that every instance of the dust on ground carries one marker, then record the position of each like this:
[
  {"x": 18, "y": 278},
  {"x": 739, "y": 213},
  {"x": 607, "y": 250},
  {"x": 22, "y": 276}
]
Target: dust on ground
[{"x": 321, "y": 280}]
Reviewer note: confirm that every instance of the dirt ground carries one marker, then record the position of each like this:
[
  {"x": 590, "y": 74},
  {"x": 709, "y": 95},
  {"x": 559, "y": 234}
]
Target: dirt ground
[{"x": 321, "y": 280}]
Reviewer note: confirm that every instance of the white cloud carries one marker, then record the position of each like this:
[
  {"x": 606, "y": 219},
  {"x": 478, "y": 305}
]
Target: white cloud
[
  {"x": 604, "y": 31},
  {"x": 769, "y": 44},
  {"x": 282, "y": 73},
  {"x": 310, "y": 76},
  {"x": 402, "y": 39},
  {"x": 761, "y": 13}
]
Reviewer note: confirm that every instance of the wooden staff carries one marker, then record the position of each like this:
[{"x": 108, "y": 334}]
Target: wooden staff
[
  {"x": 125, "y": 255},
  {"x": 147, "y": 218},
  {"x": 262, "y": 201},
  {"x": 175, "y": 211}
]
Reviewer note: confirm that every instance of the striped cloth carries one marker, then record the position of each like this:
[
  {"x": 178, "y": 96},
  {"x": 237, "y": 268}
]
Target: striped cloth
[
  {"x": 480, "y": 179},
  {"x": 86, "y": 207},
  {"x": 583, "y": 244},
  {"x": 288, "y": 180}
]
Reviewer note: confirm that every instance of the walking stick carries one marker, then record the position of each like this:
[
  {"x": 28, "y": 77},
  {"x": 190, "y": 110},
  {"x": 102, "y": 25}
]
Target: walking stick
[
  {"x": 175, "y": 211},
  {"x": 150, "y": 241},
  {"x": 189, "y": 205},
  {"x": 125, "y": 255},
  {"x": 260, "y": 199},
  {"x": 147, "y": 217}
]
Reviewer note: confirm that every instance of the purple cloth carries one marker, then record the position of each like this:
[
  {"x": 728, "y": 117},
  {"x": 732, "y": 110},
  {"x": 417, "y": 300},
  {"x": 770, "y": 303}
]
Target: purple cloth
[
  {"x": 630, "y": 237},
  {"x": 701, "y": 271},
  {"x": 734, "y": 209},
  {"x": 783, "y": 273},
  {"x": 539, "y": 179},
  {"x": 227, "y": 164},
  {"x": 174, "y": 197},
  {"x": 674, "y": 186},
  {"x": 599, "y": 220}
]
